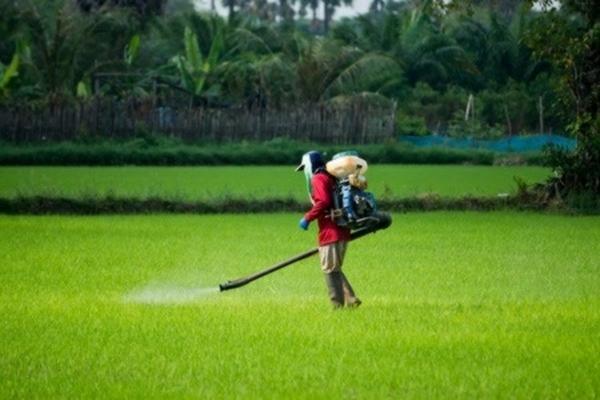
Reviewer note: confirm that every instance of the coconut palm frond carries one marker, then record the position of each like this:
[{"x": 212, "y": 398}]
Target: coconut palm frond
[
  {"x": 455, "y": 58},
  {"x": 346, "y": 32},
  {"x": 246, "y": 40},
  {"x": 432, "y": 68},
  {"x": 366, "y": 69},
  {"x": 393, "y": 86}
]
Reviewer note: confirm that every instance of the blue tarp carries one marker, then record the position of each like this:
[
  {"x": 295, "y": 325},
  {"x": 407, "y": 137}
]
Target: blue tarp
[{"x": 511, "y": 144}]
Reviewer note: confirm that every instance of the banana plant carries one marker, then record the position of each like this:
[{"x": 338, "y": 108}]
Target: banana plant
[
  {"x": 132, "y": 50},
  {"x": 8, "y": 73},
  {"x": 194, "y": 69}
]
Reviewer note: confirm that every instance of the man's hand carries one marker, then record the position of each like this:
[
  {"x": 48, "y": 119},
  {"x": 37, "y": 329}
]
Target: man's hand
[{"x": 304, "y": 224}]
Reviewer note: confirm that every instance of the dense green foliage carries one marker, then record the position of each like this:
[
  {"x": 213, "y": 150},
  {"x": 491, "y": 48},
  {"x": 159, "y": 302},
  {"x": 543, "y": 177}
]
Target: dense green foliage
[
  {"x": 573, "y": 48},
  {"x": 253, "y": 183},
  {"x": 461, "y": 305},
  {"x": 484, "y": 69},
  {"x": 425, "y": 56}
]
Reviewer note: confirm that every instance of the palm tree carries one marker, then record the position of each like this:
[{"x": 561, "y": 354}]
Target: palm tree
[
  {"x": 414, "y": 39},
  {"x": 329, "y": 7},
  {"x": 286, "y": 11},
  {"x": 326, "y": 69},
  {"x": 377, "y": 6},
  {"x": 496, "y": 47},
  {"x": 230, "y": 4},
  {"x": 66, "y": 47},
  {"x": 263, "y": 10},
  {"x": 428, "y": 54},
  {"x": 314, "y": 5}
]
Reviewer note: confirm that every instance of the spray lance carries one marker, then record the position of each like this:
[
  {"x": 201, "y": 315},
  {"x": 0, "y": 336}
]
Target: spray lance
[
  {"x": 368, "y": 219},
  {"x": 373, "y": 223}
]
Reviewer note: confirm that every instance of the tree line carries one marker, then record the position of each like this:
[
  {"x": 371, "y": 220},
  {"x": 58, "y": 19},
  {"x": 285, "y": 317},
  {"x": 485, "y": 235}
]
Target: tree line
[{"x": 448, "y": 69}]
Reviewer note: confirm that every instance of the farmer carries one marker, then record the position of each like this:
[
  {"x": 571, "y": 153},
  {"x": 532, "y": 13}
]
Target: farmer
[{"x": 333, "y": 239}]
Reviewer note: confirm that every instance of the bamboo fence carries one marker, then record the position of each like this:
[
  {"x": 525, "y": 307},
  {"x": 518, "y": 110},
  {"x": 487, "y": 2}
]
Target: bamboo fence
[{"x": 356, "y": 123}]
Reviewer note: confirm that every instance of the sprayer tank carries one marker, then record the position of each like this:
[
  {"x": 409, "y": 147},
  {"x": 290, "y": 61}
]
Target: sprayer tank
[{"x": 343, "y": 166}]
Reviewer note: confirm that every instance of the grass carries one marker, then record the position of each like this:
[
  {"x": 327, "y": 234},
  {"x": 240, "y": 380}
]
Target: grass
[
  {"x": 191, "y": 183},
  {"x": 469, "y": 305}
]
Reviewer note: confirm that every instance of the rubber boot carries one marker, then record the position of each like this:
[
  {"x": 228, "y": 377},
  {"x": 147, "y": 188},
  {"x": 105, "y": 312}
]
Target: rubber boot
[
  {"x": 350, "y": 298},
  {"x": 335, "y": 285}
]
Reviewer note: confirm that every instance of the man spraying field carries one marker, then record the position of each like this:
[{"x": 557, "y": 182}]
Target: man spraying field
[
  {"x": 333, "y": 238},
  {"x": 344, "y": 212}
]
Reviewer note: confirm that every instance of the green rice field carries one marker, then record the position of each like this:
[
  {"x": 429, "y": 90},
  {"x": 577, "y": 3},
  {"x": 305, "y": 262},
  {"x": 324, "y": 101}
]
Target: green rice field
[
  {"x": 202, "y": 183},
  {"x": 455, "y": 305}
]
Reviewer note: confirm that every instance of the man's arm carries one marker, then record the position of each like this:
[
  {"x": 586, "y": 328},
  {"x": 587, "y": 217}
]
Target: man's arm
[{"x": 322, "y": 197}]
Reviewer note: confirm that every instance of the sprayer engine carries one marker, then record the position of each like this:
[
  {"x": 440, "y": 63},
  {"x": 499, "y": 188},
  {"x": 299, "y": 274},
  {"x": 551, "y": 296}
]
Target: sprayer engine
[{"x": 353, "y": 208}]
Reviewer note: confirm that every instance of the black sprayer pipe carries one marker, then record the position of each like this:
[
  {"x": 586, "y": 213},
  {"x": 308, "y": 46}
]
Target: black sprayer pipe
[
  {"x": 245, "y": 280},
  {"x": 383, "y": 220}
]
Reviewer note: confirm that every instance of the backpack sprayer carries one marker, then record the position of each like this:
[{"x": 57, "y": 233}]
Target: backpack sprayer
[{"x": 353, "y": 208}]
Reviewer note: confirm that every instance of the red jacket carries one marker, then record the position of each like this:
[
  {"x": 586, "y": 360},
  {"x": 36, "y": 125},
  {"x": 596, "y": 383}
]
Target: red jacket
[{"x": 323, "y": 186}]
